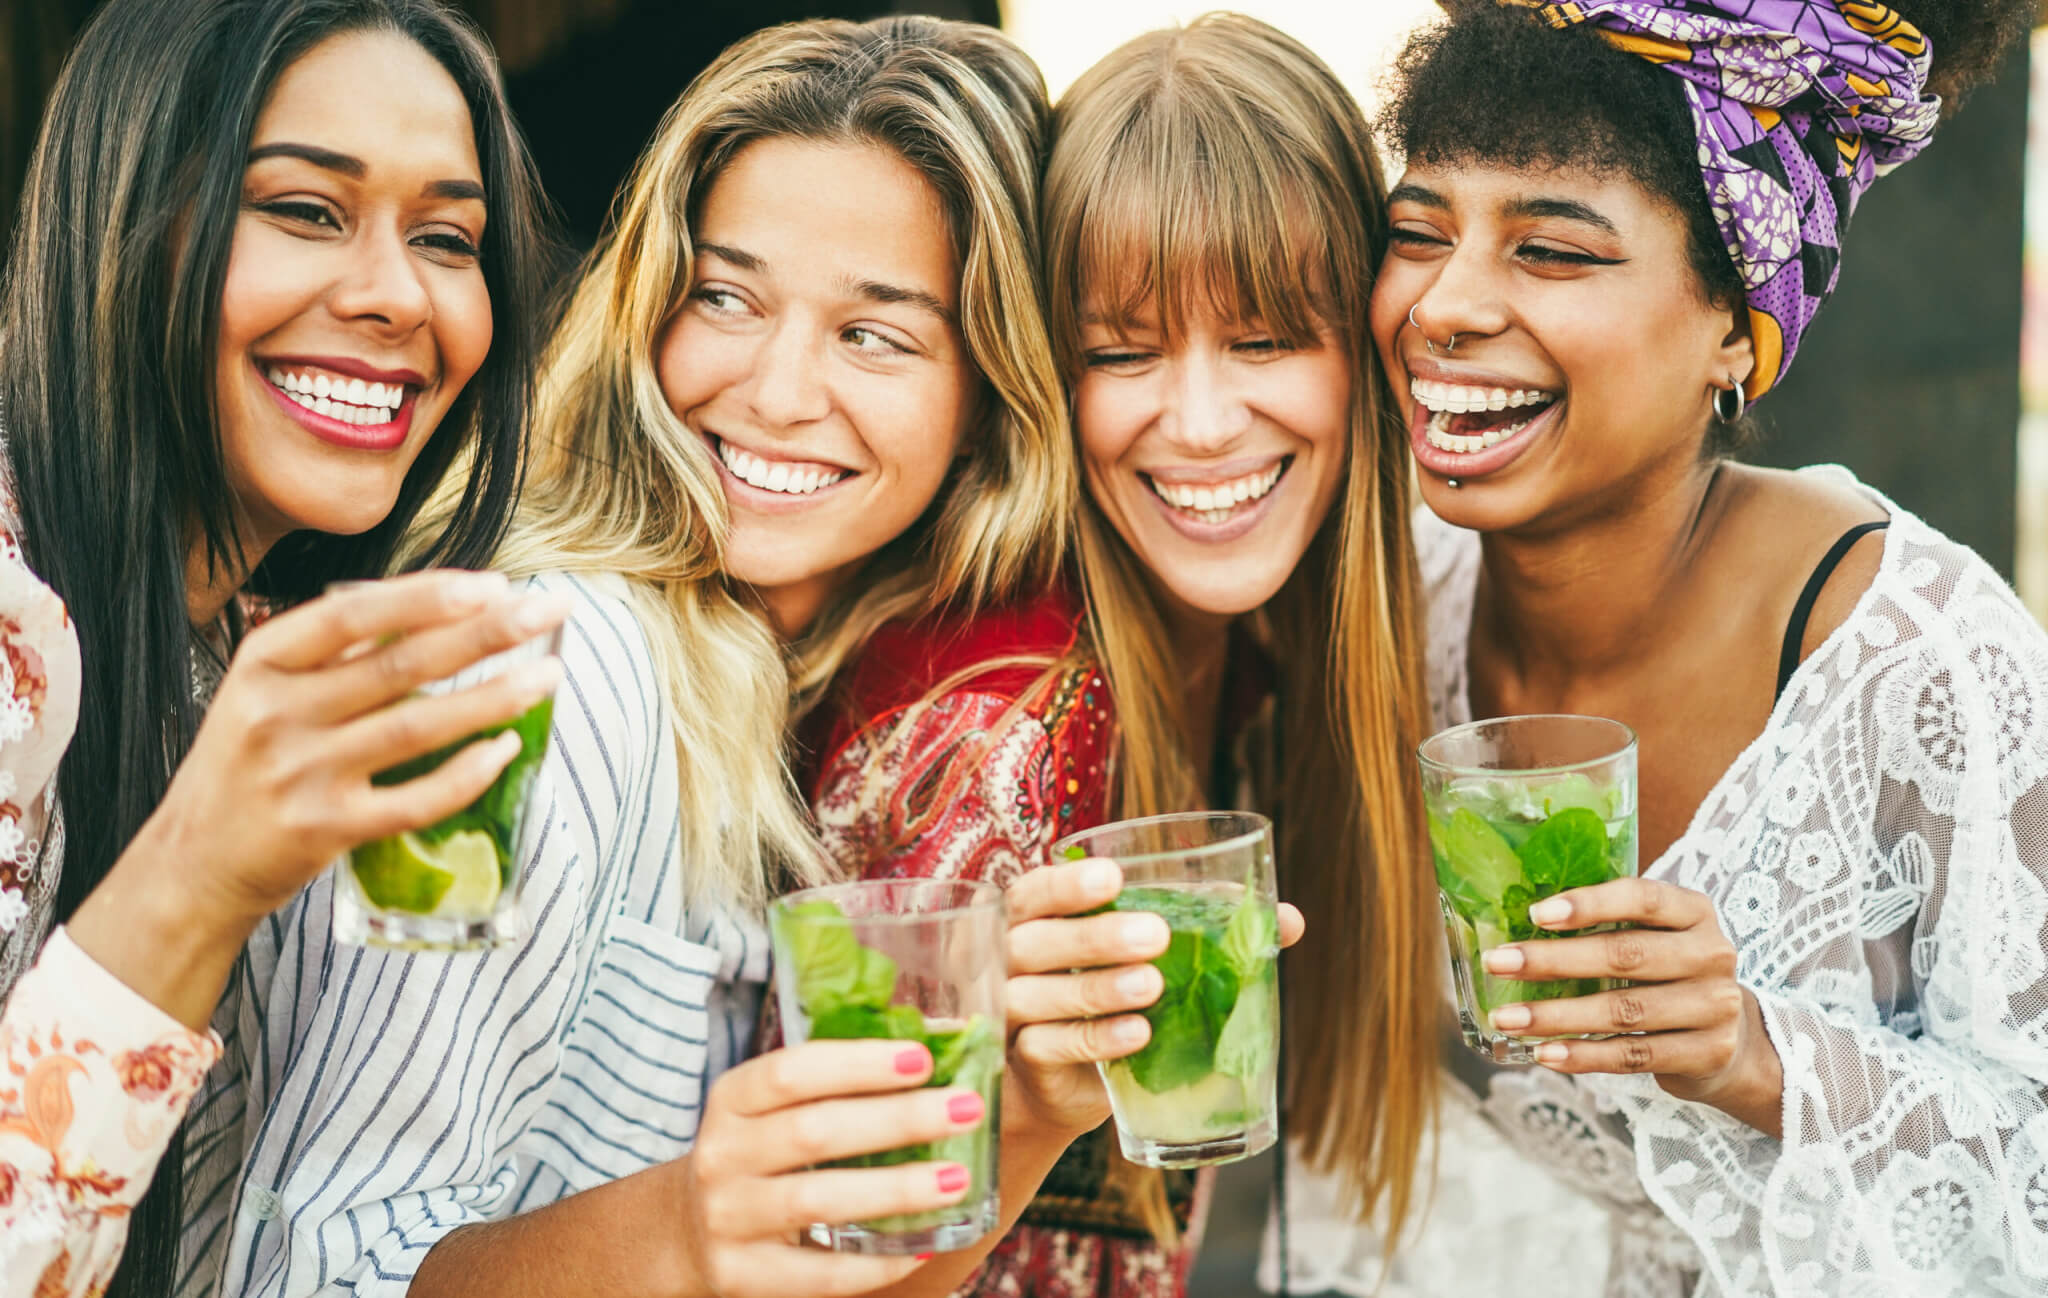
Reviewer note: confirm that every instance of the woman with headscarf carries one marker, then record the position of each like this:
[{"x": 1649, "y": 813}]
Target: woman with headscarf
[{"x": 1828, "y": 1074}]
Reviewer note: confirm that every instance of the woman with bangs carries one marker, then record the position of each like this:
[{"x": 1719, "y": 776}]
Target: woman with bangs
[
  {"x": 802, "y": 386},
  {"x": 1829, "y": 1071},
  {"x": 1246, "y": 634}
]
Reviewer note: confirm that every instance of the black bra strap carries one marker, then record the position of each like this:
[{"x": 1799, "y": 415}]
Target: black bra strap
[{"x": 1795, "y": 630}]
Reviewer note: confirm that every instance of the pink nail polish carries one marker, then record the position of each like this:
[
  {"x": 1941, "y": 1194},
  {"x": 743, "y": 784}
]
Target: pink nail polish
[
  {"x": 952, "y": 1178},
  {"x": 912, "y": 1060},
  {"x": 967, "y": 1108}
]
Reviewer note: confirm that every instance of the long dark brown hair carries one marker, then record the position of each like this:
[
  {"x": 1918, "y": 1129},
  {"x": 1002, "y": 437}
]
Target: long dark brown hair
[{"x": 109, "y": 324}]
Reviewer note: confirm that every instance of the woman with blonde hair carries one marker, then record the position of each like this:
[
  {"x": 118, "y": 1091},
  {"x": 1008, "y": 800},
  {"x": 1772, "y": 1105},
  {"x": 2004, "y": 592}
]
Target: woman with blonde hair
[
  {"x": 1213, "y": 218},
  {"x": 802, "y": 385}
]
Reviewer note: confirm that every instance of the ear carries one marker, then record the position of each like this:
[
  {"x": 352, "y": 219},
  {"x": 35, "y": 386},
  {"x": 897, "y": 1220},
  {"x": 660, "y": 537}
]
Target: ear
[{"x": 1735, "y": 359}]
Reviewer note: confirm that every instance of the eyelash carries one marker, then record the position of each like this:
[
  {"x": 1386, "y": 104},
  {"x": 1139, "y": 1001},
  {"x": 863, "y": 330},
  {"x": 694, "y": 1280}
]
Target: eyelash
[
  {"x": 1104, "y": 360},
  {"x": 314, "y": 214},
  {"x": 1528, "y": 251},
  {"x": 880, "y": 337}
]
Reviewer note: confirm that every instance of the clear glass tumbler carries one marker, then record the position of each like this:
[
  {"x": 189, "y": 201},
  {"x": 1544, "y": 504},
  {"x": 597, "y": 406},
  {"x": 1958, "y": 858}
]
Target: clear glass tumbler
[
  {"x": 1520, "y": 809},
  {"x": 453, "y": 885},
  {"x": 906, "y": 960},
  {"x": 1203, "y": 1090}
]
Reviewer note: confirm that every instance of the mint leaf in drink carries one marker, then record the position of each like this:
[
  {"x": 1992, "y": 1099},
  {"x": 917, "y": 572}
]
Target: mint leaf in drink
[
  {"x": 1569, "y": 850},
  {"x": 1244, "y": 1049},
  {"x": 1075, "y": 852},
  {"x": 1479, "y": 856},
  {"x": 1253, "y": 937},
  {"x": 1179, "y": 1052},
  {"x": 832, "y": 969}
]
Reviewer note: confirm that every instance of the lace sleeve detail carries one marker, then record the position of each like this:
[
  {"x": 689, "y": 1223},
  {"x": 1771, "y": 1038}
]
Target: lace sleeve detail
[
  {"x": 1880, "y": 858},
  {"x": 93, "y": 1081},
  {"x": 39, "y": 678}
]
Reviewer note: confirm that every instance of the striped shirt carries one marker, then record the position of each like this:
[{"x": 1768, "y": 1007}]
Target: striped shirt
[{"x": 370, "y": 1102}]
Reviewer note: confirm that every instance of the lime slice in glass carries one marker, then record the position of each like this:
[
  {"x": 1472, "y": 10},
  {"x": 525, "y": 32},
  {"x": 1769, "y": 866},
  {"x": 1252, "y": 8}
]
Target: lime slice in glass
[{"x": 458, "y": 876}]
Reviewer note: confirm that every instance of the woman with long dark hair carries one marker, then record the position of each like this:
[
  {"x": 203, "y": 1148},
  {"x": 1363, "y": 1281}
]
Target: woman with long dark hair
[{"x": 276, "y": 266}]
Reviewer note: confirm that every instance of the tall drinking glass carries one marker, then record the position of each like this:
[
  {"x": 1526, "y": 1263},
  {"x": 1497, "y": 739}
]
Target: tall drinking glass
[
  {"x": 1203, "y": 1088},
  {"x": 1520, "y": 809},
  {"x": 906, "y": 960},
  {"x": 454, "y": 885}
]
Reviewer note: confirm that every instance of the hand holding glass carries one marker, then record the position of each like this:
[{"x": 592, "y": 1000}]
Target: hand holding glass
[
  {"x": 1203, "y": 1090},
  {"x": 454, "y": 885},
  {"x": 908, "y": 960},
  {"x": 1520, "y": 809}
]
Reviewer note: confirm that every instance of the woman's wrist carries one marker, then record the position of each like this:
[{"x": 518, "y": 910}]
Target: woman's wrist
[{"x": 167, "y": 935}]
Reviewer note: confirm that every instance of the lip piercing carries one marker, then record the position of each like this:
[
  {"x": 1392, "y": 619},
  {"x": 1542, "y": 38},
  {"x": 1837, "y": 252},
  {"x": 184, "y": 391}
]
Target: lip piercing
[{"x": 1449, "y": 347}]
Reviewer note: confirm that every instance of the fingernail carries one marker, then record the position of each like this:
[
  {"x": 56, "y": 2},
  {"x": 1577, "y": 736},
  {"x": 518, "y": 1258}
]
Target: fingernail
[
  {"x": 913, "y": 1060},
  {"x": 924, "y": 1257},
  {"x": 537, "y": 679},
  {"x": 539, "y": 612},
  {"x": 1138, "y": 930},
  {"x": 1551, "y": 1052},
  {"x": 1127, "y": 1031},
  {"x": 965, "y": 1108},
  {"x": 507, "y": 745},
  {"x": 476, "y": 588},
  {"x": 1549, "y": 911},
  {"x": 952, "y": 1178},
  {"x": 1133, "y": 983},
  {"x": 1101, "y": 876},
  {"x": 1510, "y": 1017},
  {"x": 1503, "y": 959}
]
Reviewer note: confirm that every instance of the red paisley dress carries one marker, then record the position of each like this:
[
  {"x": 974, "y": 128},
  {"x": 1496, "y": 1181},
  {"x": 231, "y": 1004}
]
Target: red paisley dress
[{"x": 976, "y": 781}]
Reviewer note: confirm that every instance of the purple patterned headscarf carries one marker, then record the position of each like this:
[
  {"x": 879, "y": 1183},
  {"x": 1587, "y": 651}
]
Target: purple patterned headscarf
[{"x": 1799, "y": 105}]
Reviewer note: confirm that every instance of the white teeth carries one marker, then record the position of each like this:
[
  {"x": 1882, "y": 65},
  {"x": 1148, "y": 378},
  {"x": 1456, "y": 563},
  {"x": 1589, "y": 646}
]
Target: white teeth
[
  {"x": 350, "y": 401},
  {"x": 780, "y": 476},
  {"x": 1439, "y": 435},
  {"x": 1458, "y": 399},
  {"x": 1216, "y": 503}
]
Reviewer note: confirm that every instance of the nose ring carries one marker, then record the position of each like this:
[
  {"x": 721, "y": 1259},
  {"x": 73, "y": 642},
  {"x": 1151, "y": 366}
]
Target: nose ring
[{"x": 1449, "y": 347}]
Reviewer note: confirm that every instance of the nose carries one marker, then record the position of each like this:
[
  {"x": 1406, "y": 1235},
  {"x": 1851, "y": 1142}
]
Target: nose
[
  {"x": 1463, "y": 301},
  {"x": 1205, "y": 413},
  {"x": 383, "y": 284},
  {"x": 784, "y": 388}
]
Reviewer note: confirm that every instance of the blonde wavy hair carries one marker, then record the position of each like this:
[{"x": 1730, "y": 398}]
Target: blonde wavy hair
[
  {"x": 618, "y": 484},
  {"x": 1223, "y": 166}
]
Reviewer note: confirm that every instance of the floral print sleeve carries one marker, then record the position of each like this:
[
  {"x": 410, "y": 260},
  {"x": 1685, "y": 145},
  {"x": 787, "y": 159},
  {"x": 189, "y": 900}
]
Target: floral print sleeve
[{"x": 93, "y": 1081}]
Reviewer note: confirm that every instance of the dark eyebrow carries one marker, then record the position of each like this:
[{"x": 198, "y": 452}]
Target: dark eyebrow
[
  {"x": 456, "y": 189},
  {"x": 353, "y": 168},
  {"x": 1563, "y": 208},
  {"x": 326, "y": 159},
  {"x": 746, "y": 261},
  {"x": 1417, "y": 194},
  {"x": 876, "y": 291}
]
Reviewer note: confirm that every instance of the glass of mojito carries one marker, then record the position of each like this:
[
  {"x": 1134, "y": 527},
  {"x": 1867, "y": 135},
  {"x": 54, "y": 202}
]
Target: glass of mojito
[
  {"x": 1520, "y": 809},
  {"x": 1203, "y": 1088},
  {"x": 453, "y": 885},
  {"x": 905, "y": 960}
]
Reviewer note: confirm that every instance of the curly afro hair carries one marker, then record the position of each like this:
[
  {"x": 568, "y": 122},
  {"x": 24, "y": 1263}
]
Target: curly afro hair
[{"x": 1498, "y": 85}]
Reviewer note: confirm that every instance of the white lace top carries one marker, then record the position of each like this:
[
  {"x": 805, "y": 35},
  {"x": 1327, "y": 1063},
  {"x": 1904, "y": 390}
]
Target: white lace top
[{"x": 1879, "y": 856}]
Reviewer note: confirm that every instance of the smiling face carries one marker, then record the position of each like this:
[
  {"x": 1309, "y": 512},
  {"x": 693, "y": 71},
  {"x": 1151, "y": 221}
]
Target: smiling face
[
  {"x": 1215, "y": 452},
  {"x": 1586, "y": 353},
  {"x": 817, "y": 352},
  {"x": 354, "y": 308}
]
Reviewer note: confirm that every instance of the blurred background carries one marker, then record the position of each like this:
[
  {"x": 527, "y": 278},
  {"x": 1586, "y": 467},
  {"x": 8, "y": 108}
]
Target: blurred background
[{"x": 1914, "y": 376}]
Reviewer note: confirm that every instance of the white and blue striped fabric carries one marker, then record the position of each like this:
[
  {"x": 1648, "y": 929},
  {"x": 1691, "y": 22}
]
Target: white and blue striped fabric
[{"x": 370, "y": 1102}]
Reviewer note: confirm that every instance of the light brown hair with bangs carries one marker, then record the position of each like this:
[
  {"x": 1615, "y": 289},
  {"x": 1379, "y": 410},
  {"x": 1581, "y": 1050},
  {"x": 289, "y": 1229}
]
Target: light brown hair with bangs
[{"x": 1223, "y": 166}]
